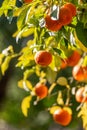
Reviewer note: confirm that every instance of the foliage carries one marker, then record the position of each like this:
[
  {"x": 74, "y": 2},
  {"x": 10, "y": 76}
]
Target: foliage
[{"x": 62, "y": 86}]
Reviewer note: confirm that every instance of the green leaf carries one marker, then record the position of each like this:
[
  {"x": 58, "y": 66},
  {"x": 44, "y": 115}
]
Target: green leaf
[
  {"x": 81, "y": 33},
  {"x": 57, "y": 50},
  {"x": 50, "y": 100},
  {"x": 51, "y": 75}
]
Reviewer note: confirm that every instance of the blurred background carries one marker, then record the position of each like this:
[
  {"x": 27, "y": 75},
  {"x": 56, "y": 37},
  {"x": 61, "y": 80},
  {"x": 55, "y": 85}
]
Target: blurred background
[{"x": 11, "y": 117}]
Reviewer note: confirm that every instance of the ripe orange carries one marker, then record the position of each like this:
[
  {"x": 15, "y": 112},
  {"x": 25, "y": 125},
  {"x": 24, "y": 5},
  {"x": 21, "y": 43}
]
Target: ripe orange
[
  {"x": 41, "y": 90},
  {"x": 43, "y": 58},
  {"x": 63, "y": 64},
  {"x": 80, "y": 95},
  {"x": 62, "y": 117},
  {"x": 28, "y": 1},
  {"x": 65, "y": 15},
  {"x": 74, "y": 58},
  {"x": 53, "y": 25},
  {"x": 85, "y": 72},
  {"x": 79, "y": 73},
  {"x": 72, "y": 8}
]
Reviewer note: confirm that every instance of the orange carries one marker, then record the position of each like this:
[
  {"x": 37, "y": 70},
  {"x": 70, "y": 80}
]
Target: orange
[
  {"x": 79, "y": 73},
  {"x": 53, "y": 25},
  {"x": 43, "y": 58},
  {"x": 65, "y": 15},
  {"x": 72, "y": 8},
  {"x": 80, "y": 95},
  {"x": 62, "y": 117},
  {"x": 41, "y": 90},
  {"x": 28, "y": 1},
  {"x": 85, "y": 72},
  {"x": 63, "y": 64},
  {"x": 74, "y": 58}
]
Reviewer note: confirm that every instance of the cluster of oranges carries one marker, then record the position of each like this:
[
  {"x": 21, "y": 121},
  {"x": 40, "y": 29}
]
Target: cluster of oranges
[
  {"x": 66, "y": 13},
  {"x": 60, "y": 115},
  {"x": 44, "y": 58},
  {"x": 72, "y": 60}
]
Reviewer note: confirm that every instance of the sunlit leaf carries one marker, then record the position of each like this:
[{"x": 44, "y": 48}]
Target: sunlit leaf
[
  {"x": 53, "y": 109},
  {"x": 21, "y": 18},
  {"x": 1, "y": 58},
  {"x": 5, "y": 64},
  {"x": 27, "y": 32},
  {"x": 51, "y": 75},
  {"x": 60, "y": 98},
  {"x": 62, "y": 81},
  {"x": 81, "y": 33},
  {"x": 28, "y": 73},
  {"x": 25, "y": 105},
  {"x": 68, "y": 109},
  {"x": 83, "y": 115},
  {"x": 25, "y": 84},
  {"x": 26, "y": 59},
  {"x": 80, "y": 44},
  {"x": 6, "y": 5},
  {"x": 16, "y": 12}
]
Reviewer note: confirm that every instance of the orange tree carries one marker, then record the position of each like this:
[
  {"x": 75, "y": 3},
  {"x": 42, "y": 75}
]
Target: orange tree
[{"x": 55, "y": 54}]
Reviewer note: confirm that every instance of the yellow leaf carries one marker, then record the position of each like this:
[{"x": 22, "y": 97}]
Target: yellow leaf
[
  {"x": 43, "y": 74},
  {"x": 15, "y": 34},
  {"x": 53, "y": 109},
  {"x": 20, "y": 83},
  {"x": 28, "y": 84},
  {"x": 68, "y": 109},
  {"x": 17, "y": 12},
  {"x": 25, "y": 105},
  {"x": 83, "y": 114},
  {"x": 60, "y": 98},
  {"x": 28, "y": 32},
  {"x": 5, "y": 64},
  {"x": 52, "y": 65},
  {"x": 62, "y": 81},
  {"x": 79, "y": 43},
  {"x": 1, "y": 58},
  {"x": 25, "y": 84}
]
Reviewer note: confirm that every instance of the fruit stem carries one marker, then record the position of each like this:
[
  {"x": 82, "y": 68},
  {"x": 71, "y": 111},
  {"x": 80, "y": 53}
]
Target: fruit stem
[
  {"x": 68, "y": 96},
  {"x": 51, "y": 88}
]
